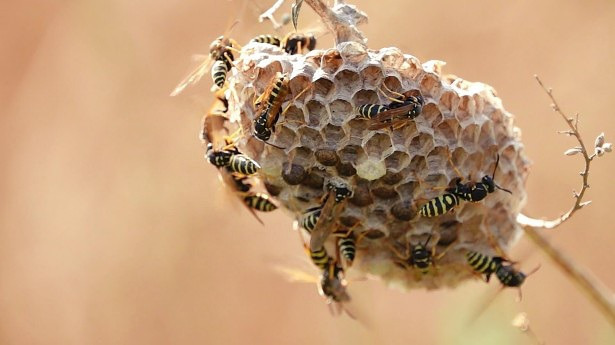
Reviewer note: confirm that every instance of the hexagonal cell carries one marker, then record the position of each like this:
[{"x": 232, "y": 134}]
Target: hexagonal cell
[
  {"x": 352, "y": 153},
  {"x": 391, "y": 57},
  {"x": 437, "y": 159},
  {"x": 331, "y": 61},
  {"x": 397, "y": 161},
  {"x": 411, "y": 67},
  {"x": 449, "y": 100},
  {"x": 469, "y": 137},
  {"x": 393, "y": 84},
  {"x": 314, "y": 179},
  {"x": 486, "y": 137},
  {"x": 378, "y": 146},
  {"x": 409, "y": 191},
  {"x": 326, "y": 157},
  {"x": 334, "y": 135},
  {"x": 284, "y": 137},
  {"x": 404, "y": 210},
  {"x": 341, "y": 111},
  {"x": 402, "y": 137},
  {"x": 465, "y": 111},
  {"x": 431, "y": 114},
  {"x": 392, "y": 178},
  {"x": 347, "y": 82},
  {"x": 365, "y": 97},
  {"x": 382, "y": 190},
  {"x": 323, "y": 88},
  {"x": 417, "y": 164},
  {"x": 371, "y": 76},
  {"x": 448, "y": 231},
  {"x": 301, "y": 88},
  {"x": 293, "y": 174},
  {"x": 293, "y": 117},
  {"x": 345, "y": 169},
  {"x": 446, "y": 132},
  {"x": 317, "y": 113},
  {"x": 353, "y": 53},
  {"x": 309, "y": 138},
  {"x": 430, "y": 85},
  {"x": 361, "y": 195},
  {"x": 422, "y": 144}
]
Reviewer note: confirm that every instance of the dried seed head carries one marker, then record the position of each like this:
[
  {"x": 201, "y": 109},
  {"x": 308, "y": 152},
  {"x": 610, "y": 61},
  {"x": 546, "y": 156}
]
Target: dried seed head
[{"x": 391, "y": 172}]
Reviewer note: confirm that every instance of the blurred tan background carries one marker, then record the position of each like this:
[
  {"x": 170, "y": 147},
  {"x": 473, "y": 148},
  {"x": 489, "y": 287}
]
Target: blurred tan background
[{"x": 113, "y": 229}]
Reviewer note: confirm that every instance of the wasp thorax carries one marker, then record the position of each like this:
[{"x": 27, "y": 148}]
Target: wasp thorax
[{"x": 321, "y": 137}]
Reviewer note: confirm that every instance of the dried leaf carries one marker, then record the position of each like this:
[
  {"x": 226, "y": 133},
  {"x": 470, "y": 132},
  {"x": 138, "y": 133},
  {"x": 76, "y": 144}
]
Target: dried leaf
[
  {"x": 608, "y": 147},
  {"x": 598, "y": 151},
  {"x": 599, "y": 140},
  {"x": 585, "y": 203},
  {"x": 572, "y": 152},
  {"x": 294, "y": 9}
]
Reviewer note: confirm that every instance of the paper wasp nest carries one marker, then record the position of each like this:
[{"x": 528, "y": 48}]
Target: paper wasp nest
[{"x": 391, "y": 172}]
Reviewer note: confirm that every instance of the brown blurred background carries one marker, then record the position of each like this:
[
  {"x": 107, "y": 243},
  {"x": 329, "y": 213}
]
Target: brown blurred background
[{"x": 113, "y": 229}]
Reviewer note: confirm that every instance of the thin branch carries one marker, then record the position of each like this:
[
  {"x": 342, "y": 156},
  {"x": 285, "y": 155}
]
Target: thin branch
[
  {"x": 573, "y": 124},
  {"x": 594, "y": 288},
  {"x": 269, "y": 15},
  {"x": 341, "y": 20}
]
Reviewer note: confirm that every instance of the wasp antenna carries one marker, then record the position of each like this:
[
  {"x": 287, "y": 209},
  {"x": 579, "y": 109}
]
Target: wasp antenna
[
  {"x": 428, "y": 239},
  {"x": 274, "y": 145},
  {"x": 503, "y": 189},
  {"x": 533, "y": 271},
  {"x": 497, "y": 161}
]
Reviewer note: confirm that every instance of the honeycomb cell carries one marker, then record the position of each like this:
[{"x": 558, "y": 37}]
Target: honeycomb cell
[
  {"x": 404, "y": 210},
  {"x": 323, "y": 89},
  {"x": 378, "y": 146},
  {"x": 317, "y": 113},
  {"x": 341, "y": 111},
  {"x": 345, "y": 169},
  {"x": 365, "y": 97},
  {"x": 391, "y": 58},
  {"x": 284, "y": 136},
  {"x": 301, "y": 87},
  {"x": 293, "y": 117},
  {"x": 353, "y": 53},
  {"x": 331, "y": 61},
  {"x": 314, "y": 179},
  {"x": 309, "y": 138},
  {"x": 430, "y": 86},
  {"x": 347, "y": 82},
  {"x": 293, "y": 174},
  {"x": 384, "y": 192},
  {"x": 397, "y": 161},
  {"x": 361, "y": 194},
  {"x": 327, "y": 157},
  {"x": 431, "y": 114},
  {"x": 392, "y": 178},
  {"x": 371, "y": 76}
]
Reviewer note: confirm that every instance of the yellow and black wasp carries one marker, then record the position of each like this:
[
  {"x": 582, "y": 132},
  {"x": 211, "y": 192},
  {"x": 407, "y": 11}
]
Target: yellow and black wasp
[
  {"x": 502, "y": 268},
  {"x": 477, "y": 191},
  {"x": 221, "y": 56},
  {"x": 418, "y": 256},
  {"x": 346, "y": 245},
  {"x": 397, "y": 113},
  {"x": 231, "y": 158},
  {"x": 341, "y": 191},
  {"x": 439, "y": 205},
  {"x": 269, "y": 106},
  {"x": 213, "y": 133},
  {"x": 292, "y": 43}
]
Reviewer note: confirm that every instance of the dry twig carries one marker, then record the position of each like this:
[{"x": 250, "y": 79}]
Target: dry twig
[
  {"x": 269, "y": 15},
  {"x": 593, "y": 287}
]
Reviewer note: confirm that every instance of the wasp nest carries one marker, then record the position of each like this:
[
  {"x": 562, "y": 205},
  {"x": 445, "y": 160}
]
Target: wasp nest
[{"x": 393, "y": 171}]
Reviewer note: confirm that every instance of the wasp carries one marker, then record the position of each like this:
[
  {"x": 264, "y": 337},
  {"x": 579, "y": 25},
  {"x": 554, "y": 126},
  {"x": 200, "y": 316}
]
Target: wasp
[
  {"x": 230, "y": 157},
  {"x": 340, "y": 190},
  {"x": 397, "y": 113},
  {"x": 502, "y": 268},
  {"x": 332, "y": 284},
  {"x": 259, "y": 202},
  {"x": 292, "y": 43},
  {"x": 347, "y": 247},
  {"x": 367, "y": 111},
  {"x": 418, "y": 256},
  {"x": 326, "y": 220},
  {"x": 439, "y": 205},
  {"x": 477, "y": 191},
  {"x": 221, "y": 55},
  {"x": 269, "y": 110}
]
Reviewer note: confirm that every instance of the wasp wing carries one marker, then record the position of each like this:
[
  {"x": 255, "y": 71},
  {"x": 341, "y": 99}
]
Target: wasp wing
[
  {"x": 193, "y": 77},
  {"x": 326, "y": 222},
  {"x": 390, "y": 117}
]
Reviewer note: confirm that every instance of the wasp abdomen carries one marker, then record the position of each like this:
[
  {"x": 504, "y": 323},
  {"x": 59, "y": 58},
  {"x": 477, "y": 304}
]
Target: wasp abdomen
[
  {"x": 439, "y": 205},
  {"x": 370, "y": 110}
]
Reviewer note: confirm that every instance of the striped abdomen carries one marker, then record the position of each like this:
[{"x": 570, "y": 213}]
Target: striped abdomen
[
  {"x": 259, "y": 202},
  {"x": 320, "y": 258},
  {"x": 421, "y": 258},
  {"x": 310, "y": 218},
  {"x": 439, "y": 205},
  {"x": 370, "y": 110},
  {"x": 243, "y": 164},
  {"x": 268, "y": 39},
  {"x": 260, "y": 127},
  {"x": 483, "y": 264},
  {"x": 219, "y": 70},
  {"x": 347, "y": 248}
]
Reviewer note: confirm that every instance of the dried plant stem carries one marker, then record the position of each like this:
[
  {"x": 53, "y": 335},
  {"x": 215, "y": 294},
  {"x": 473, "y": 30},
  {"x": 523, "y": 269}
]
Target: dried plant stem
[
  {"x": 594, "y": 288},
  {"x": 269, "y": 14},
  {"x": 341, "y": 20},
  {"x": 573, "y": 124}
]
